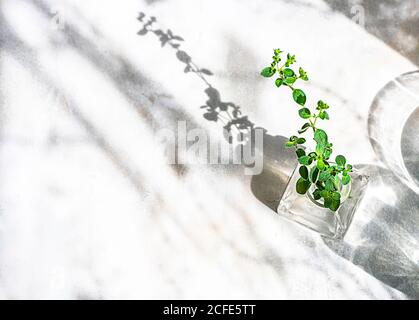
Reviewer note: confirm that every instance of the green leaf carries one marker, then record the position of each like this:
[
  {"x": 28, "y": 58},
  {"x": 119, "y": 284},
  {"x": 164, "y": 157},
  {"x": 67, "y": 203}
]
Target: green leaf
[
  {"x": 303, "y": 74},
  {"x": 304, "y": 128},
  {"x": 290, "y": 80},
  {"x": 299, "y": 96},
  {"x": 306, "y": 160},
  {"x": 290, "y": 60},
  {"x": 268, "y": 72},
  {"x": 330, "y": 186},
  {"x": 301, "y": 140},
  {"x": 289, "y": 144},
  {"x": 320, "y": 136},
  {"x": 323, "y": 115},
  {"x": 300, "y": 152},
  {"x": 316, "y": 194},
  {"x": 320, "y": 164},
  {"x": 278, "y": 82},
  {"x": 346, "y": 179},
  {"x": 336, "y": 195},
  {"x": 314, "y": 173},
  {"x": 325, "y": 194},
  {"x": 349, "y": 167},
  {"x": 322, "y": 106},
  {"x": 288, "y": 72},
  {"x": 327, "y": 153},
  {"x": 312, "y": 155},
  {"x": 320, "y": 149},
  {"x": 303, "y": 172},
  {"x": 324, "y": 175},
  {"x": 340, "y": 160},
  {"x": 303, "y": 185},
  {"x": 328, "y": 202},
  {"x": 304, "y": 113},
  {"x": 334, "y": 204}
]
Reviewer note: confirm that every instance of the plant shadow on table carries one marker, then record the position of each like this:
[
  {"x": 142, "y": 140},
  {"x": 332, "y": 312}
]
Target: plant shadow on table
[
  {"x": 278, "y": 161},
  {"x": 384, "y": 236},
  {"x": 215, "y": 108}
]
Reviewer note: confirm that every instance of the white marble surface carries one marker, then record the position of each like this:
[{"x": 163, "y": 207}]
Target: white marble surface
[{"x": 86, "y": 211}]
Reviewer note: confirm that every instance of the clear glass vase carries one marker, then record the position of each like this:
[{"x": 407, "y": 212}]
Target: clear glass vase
[
  {"x": 393, "y": 127},
  {"x": 312, "y": 214}
]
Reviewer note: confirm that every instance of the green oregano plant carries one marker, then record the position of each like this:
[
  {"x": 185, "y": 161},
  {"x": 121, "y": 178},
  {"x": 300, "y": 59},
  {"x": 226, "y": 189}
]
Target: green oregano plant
[{"x": 316, "y": 167}]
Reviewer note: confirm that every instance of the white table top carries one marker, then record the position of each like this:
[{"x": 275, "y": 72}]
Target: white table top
[{"x": 87, "y": 211}]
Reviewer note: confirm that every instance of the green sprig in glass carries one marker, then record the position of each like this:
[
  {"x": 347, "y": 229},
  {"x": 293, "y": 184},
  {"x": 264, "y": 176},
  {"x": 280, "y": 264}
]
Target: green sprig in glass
[{"x": 315, "y": 167}]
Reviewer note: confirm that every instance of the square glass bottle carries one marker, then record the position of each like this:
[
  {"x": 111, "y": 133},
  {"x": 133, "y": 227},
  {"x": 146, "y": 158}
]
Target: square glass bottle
[{"x": 312, "y": 214}]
